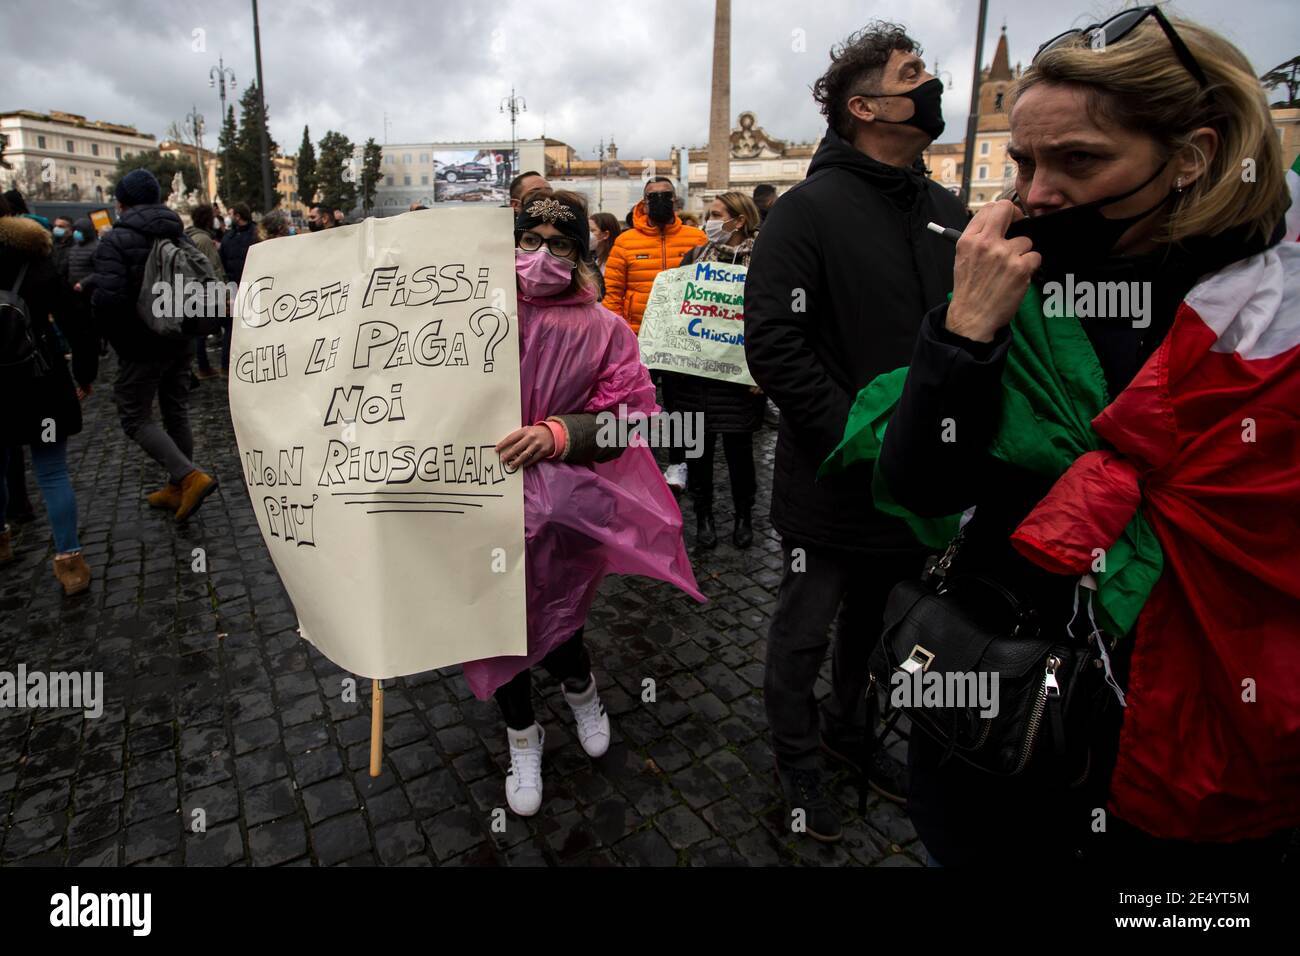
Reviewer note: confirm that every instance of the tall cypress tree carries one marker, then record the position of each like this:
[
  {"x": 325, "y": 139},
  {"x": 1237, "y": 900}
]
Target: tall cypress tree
[
  {"x": 226, "y": 152},
  {"x": 334, "y": 175},
  {"x": 306, "y": 169},
  {"x": 246, "y": 171}
]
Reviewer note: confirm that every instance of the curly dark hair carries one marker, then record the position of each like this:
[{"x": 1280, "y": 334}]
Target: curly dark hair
[{"x": 862, "y": 56}]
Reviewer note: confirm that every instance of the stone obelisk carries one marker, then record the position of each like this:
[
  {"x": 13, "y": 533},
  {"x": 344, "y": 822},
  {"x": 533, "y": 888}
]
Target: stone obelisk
[{"x": 720, "y": 105}]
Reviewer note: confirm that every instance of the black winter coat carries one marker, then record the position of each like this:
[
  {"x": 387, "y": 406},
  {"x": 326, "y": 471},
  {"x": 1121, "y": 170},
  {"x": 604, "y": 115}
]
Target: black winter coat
[
  {"x": 59, "y": 254},
  {"x": 234, "y": 249},
  {"x": 727, "y": 407},
  {"x": 119, "y": 270},
  {"x": 842, "y": 272},
  {"x": 81, "y": 257},
  {"x": 27, "y": 404}
]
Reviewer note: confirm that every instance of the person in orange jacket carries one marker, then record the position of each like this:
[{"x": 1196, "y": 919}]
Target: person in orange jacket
[{"x": 657, "y": 241}]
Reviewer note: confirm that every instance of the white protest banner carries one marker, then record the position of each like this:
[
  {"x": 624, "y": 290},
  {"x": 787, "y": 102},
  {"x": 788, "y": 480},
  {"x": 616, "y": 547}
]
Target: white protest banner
[
  {"x": 694, "y": 322},
  {"x": 372, "y": 372}
]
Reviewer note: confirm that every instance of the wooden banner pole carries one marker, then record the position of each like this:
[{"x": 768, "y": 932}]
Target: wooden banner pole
[{"x": 376, "y": 727}]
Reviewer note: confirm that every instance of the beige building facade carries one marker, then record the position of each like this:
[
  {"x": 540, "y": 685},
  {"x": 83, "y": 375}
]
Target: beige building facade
[
  {"x": 754, "y": 157},
  {"x": 59, "y": 155}
]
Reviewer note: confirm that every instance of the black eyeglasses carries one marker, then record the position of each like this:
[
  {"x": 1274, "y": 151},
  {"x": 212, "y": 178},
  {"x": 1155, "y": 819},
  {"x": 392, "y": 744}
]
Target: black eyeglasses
[
  {"x": 562, "y": 246},
  {"x": 1121, "y": 25}
]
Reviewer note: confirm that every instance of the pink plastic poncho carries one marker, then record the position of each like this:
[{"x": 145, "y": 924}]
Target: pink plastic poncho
[{"x": 582, "y": 522}]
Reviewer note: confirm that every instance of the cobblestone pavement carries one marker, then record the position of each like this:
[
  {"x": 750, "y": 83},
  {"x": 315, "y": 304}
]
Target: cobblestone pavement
[{"x": 214, "y": 703}]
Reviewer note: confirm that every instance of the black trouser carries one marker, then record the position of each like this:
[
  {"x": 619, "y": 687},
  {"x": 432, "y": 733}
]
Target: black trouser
[
  {"x": 201, "y": 353},
  {"x": 739, "y": 449},
  {"x": 822, "y": 585},
  {"x": 171, "y": 444},
  {"x": 569, "y": 663},
  {"x": 227, "y": 327},
  {"x": 20, "y": 506}
]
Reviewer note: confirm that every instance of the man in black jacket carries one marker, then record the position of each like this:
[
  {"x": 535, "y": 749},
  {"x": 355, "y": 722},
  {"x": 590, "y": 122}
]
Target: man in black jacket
[
  {"x": 841, "y": 274},
  {"x": 149, "y": 364},
  {"x": 239, "y": 238}
]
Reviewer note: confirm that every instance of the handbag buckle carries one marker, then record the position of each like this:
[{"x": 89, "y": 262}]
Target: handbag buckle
[{"x": 918, "y": 659}]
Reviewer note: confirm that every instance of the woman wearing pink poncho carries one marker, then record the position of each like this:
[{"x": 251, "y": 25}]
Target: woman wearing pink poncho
[{"x": 590, "y": 509}]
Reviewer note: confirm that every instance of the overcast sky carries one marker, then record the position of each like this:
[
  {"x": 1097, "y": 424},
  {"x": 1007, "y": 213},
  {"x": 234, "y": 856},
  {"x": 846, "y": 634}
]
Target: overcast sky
[{"x": 636, "y": 71}]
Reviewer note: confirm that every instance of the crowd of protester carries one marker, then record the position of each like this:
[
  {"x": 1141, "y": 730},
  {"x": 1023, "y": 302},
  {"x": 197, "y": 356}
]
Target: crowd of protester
[{"x": 1158, "y": 124}]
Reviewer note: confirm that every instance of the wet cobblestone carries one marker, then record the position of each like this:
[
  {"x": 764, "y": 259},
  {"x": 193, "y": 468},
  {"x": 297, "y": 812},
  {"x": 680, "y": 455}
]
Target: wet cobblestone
[{"x": 216, "y": 710}]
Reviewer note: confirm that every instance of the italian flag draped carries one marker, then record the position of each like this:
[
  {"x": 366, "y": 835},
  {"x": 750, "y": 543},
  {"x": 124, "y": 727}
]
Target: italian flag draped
[{"x": 1200, "y": 453}]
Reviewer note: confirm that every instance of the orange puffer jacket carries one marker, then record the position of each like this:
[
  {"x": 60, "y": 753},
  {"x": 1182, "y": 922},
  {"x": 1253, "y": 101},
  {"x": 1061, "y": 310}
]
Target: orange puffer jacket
[{"x": 640, "y": 254}]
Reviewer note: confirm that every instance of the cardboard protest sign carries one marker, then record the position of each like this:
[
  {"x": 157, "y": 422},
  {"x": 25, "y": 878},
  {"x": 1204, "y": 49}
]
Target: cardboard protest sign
[
  {"x": 373, "y": 369},
  {"x": 694, "y": 322}
]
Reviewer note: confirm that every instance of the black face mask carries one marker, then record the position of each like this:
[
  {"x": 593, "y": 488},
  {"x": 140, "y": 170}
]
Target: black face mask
[
  {"x": 1080, "y": 236},
  {"x": 313, "y": 225},
  {"x": 927, "y": 114},
  {"x": 659, "y": 207}
]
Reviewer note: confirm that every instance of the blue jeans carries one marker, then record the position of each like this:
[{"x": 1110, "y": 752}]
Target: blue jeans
[{"x": 50, "y": 463}]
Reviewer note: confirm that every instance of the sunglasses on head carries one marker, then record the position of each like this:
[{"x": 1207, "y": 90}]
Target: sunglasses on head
[{"x": 1102, "y": 35}]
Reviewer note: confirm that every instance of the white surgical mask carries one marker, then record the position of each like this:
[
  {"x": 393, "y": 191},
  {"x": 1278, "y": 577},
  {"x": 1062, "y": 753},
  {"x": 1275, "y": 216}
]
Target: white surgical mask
[
  {"x": 713, "y": 229},
  {"x": 227, "y": 220}
]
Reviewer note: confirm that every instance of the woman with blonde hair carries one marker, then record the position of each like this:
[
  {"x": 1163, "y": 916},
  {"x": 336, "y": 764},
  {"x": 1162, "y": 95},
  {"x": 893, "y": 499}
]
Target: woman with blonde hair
[
  {"x": 1110, "y": 398},
  {"x": 727, "y": 409}
]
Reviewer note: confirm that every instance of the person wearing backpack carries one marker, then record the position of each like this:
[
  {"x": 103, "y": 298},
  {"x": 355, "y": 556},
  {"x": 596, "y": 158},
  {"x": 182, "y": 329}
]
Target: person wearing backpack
[
  {"x": 149, "y": 364},
  {"x": 37, "y": 393}
]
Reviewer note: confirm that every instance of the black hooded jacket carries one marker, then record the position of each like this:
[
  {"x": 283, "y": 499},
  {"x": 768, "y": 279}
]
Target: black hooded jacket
[
  {"x": 119, "y": 270},
  {"x": 842, "y": 272}
]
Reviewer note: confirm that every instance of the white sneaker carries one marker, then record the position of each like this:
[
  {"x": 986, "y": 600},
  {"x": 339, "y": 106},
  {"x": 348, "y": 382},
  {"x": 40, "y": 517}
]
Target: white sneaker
[
  {"x": 593, "y": 722},
  {"x": 675, "y": 475},
  {"x": 524, "y": 781}
]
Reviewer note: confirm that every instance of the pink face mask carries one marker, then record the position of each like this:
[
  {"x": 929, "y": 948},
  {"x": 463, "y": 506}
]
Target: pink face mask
[{"x": 541, "y": 274}]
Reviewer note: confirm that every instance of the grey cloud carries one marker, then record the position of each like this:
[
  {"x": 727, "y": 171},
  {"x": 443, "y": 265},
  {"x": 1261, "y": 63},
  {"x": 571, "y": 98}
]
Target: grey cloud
[{"x": 623, "y": 68}]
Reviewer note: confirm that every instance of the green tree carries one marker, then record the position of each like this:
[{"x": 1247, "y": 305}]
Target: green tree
[
  {"x": 226, "y": 152},
  {"x": 371, "y": 158},
  {"x": 336, "y": 178},
  {"x": 306, "y": 169},
  {"x": 164, "y": 168},
  {"x": 246, "y": 160},
  {"x": 1288, "y": 75}
]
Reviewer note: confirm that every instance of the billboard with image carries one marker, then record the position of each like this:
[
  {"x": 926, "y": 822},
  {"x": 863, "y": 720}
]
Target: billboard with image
[{"x": 474, "y": 175}]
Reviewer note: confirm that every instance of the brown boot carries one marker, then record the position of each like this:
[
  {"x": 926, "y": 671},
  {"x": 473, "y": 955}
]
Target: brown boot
[
  {"x": 73, "y": 573},
  {"x": 195, "y": 486},
  {"x": 168, "y": 498},
  {"x": 6, "y": 547}
]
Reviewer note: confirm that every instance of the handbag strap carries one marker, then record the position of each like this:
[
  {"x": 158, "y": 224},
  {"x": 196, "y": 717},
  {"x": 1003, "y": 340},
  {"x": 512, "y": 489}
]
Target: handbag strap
[{"x": 22, "y": 274}]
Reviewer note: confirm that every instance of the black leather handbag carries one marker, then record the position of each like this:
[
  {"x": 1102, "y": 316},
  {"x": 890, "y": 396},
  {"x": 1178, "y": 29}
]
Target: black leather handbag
[{"x": 950, "y": 637}]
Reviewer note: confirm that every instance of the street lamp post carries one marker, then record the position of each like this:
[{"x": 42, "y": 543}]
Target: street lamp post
[
  {"x": 514, "y": 105},
  {"x": 219, "y": 76},
  {"x": 600, "y": 177},
  {"x": 194, "y": 129}
]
